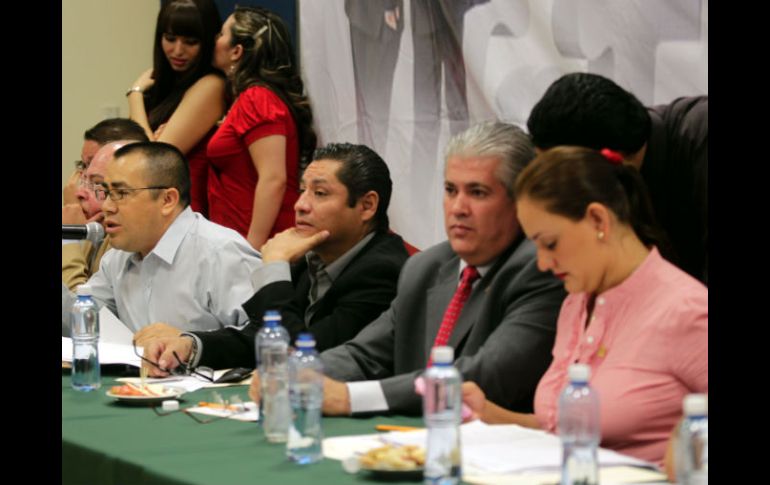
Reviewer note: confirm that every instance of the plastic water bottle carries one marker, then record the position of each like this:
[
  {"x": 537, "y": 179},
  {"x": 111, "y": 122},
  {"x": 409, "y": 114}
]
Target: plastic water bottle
[
  {"x": 306, "y": 393},
  {"x": 692, "y": 450},
  {"x": 272, "y": 346},
  {"x": 579, "y": 429},
  {"x": 442, "y": 407},
  {"x": 84, "y": 327}
]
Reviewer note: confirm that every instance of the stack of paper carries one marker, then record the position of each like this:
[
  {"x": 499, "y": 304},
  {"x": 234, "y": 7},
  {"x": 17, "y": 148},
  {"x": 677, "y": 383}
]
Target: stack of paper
[
  {"x": 108, "y": 353},
  {"x": 115, "y": 342},
  {"x": 509, "y": 448},
  {"x": 504, "y": 454}
]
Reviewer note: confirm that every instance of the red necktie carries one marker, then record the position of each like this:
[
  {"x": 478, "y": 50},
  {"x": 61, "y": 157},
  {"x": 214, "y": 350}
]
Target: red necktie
[{"x": 470, "y": 274}]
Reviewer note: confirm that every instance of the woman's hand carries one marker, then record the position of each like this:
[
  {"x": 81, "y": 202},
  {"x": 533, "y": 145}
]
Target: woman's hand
[
  {"x": 145, "y": 81},
  {"x": 158, "y": 131}
]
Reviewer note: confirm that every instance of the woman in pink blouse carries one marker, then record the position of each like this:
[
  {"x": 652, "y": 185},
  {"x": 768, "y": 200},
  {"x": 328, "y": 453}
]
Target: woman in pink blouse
[
  {"x": 257, "y": 151},
  {"x": 638, "y": 321}
]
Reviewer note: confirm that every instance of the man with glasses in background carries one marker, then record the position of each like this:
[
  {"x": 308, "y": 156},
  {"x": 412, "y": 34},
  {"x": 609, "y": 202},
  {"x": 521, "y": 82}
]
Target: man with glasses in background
[
  {"x": 111, "y": 129},
  {"x": 168, "y": 264},
  {"x": 80, "y": 259}
]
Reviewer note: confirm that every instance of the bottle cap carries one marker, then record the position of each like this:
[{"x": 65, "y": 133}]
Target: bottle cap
[
  {"x": 695, "y": 405},
  {"x": 443, "y": 354},
  {"x": 272, "y": 318},
  {"x": 170, "y": 405},
  {"x": 579, "y": 373},
  {"x": 84, "y": 290},
  {"x": 305, "y": 340}
]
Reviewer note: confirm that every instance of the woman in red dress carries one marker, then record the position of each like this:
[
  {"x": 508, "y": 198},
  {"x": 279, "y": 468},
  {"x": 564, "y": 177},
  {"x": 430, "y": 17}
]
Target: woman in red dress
[{"x": 257, "y": 151}]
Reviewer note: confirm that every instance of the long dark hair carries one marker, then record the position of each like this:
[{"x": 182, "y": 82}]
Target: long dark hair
[
  {"x": 568, "y": 178},
  {"x": 190, "y": 18},
  {"x": 268, "y": 60}
]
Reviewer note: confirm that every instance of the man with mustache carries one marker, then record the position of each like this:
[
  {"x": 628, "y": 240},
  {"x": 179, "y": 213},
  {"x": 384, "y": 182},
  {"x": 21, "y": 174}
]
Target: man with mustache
[
  {"x": 80, "y": 259},
  {"x": 331, "y": 274},
  {"x": 479, "y": 292}
]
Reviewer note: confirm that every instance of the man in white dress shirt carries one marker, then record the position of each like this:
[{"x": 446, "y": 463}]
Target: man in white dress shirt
[{"x": 170, "y": 268}]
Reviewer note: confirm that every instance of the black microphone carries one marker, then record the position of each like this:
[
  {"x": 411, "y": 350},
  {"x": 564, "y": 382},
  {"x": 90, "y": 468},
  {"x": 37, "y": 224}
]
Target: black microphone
[{"x": 93, "y": 231}]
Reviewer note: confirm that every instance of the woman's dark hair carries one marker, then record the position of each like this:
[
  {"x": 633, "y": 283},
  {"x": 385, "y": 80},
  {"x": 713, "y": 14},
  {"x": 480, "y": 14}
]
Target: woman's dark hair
[
  {"x": 190, "y": 18},
  {"x": 268, "y": 60},
  {"x": 568, "y": 178}
]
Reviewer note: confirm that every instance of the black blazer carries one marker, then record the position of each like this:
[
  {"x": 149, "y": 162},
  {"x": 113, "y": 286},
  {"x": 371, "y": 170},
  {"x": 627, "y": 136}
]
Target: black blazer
[{"x": 360, "y": 293}]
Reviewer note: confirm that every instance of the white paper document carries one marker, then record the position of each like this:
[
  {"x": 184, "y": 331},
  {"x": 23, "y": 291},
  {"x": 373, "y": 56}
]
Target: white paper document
[
  {"x": 112, "y": 330},
  {"x": 109, "y": 353},
  {"x": 496, "y": 453},
  {"x": 507, "y": 448},
  {"x": 243, "y": 412}
]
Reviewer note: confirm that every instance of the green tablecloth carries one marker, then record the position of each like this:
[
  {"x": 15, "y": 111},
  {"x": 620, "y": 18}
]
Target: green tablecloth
[{"x": 107, "y": 443}]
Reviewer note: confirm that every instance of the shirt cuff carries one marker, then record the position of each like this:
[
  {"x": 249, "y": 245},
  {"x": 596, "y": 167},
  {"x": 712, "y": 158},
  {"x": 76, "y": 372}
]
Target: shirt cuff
[
  {"x": 270, "y": 273},
  {"x": 366, "y": 397},
  {"x": 197, "y": 358},
  {"x": 69, "y": 241}
]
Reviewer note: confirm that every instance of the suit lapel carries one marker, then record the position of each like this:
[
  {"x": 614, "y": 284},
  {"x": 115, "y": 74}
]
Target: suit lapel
[
  {"x": 341, "y": 283},
  {"x": 439, "y": 297},
  {"x": 299, "y": 274},
  {"x": 473, "y": 308}
]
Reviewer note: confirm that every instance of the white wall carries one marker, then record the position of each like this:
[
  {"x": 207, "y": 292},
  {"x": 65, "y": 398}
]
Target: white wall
[{"x": 106, "y": 44}]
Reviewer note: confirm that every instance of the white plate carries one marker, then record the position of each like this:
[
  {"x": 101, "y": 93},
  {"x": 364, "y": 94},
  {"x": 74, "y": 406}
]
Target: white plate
[{"x": 170, "y": 392}]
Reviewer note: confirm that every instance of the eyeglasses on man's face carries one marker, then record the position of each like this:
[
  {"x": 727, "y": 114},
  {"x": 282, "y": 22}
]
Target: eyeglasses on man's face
[
  {"x": 116, "y": 195},
  {"x": 88, "y": 185}
]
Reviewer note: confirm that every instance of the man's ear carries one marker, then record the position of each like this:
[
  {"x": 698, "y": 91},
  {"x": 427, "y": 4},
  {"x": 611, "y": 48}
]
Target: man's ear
[
  {"x": 170, "y": 199},
  {"x": 370, "y": 201}
]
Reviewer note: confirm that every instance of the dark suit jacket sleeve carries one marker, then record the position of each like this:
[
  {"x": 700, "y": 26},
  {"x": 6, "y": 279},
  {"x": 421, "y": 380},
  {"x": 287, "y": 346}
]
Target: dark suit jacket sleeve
[
  {"x": 511, "y": 360},
  {"x": 229, "y": 347},
  {"x": 232, "y": 347},
  {"x": 362, "y": 291},
  {"x": 369, "y": 356},
  {"x": 365, "y": 294}
]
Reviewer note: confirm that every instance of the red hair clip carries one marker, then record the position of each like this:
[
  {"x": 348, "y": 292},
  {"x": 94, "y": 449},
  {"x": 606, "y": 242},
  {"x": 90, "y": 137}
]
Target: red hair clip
[{"x": 612, "y": 156}]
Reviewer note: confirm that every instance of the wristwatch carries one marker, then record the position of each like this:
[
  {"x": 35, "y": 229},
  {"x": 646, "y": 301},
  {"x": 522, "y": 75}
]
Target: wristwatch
[{"x": 193, "y": 352}]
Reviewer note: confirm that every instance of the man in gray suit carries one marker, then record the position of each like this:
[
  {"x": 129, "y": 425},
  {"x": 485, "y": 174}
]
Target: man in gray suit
[{"x": 505, "y": 330}]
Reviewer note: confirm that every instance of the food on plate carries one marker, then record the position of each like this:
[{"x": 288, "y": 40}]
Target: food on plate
[
  {"x": 389, "y": 457},
  {"x": 129, "y": 389}
]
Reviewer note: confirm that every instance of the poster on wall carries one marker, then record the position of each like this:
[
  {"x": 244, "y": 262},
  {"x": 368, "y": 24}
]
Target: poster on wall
[{"x": 402, "y": 76}]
